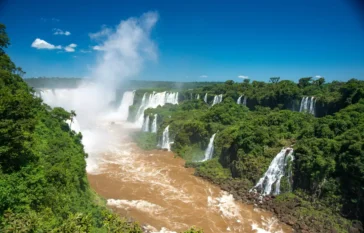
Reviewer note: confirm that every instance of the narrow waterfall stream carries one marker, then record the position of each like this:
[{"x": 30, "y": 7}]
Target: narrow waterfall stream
[
  {"x": 271, "y": 180},
  {"x": 154, "y": 124},
  {"x": 210, "y": 148},
  {"x": 308, "y": 105},
  {"x": 166, "y": 143},
  {"x": 239, "y": 100},
  {"x": 217, "y": 99},
  {"x": 145, "y": 127}
]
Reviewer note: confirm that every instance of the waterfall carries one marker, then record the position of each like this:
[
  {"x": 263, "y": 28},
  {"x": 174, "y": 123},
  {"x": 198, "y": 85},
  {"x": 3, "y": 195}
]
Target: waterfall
[
  {"x": 145, "y": 127},
  {"x": 73, "y": 124},
  {"x": 171, "y": 98},
  {"x": 126, "y": 102},
  {"x": 154, "y": 124},
  {"x": 308, "y": 105},
  {"x": 272, "y": 177},
  {"x": 312, "y": 105},
  {"x": 154, "y": 100},
  {"x": 165, "y": 139},
  {"x": 140, "y": 111},
  {"x": 217, "y": 99},
  {"x": 244, "y": 101},
  {"x": 205, "y": 98},
  {"x": 176, "y": 99},
  {"x": 198, "y": 96},
  {"x": 239, "y": 100},
  {"x": 210, "y": 149}
]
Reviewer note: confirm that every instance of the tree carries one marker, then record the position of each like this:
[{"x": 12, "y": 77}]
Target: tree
[
  {"x": 4, "y": 39},
  {"x": 319, "y": 81},
  {"x": 274, "y": 79},
  {"x": 304, "y": 82},
  {"x": 229, "y": 82}
]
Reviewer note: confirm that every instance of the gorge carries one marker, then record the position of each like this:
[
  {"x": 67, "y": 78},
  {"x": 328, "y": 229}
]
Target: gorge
[{"x": 182, "y": 126}]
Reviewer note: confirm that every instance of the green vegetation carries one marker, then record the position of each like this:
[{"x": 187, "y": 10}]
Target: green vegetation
[
  {"x": 43, "y": 182},
  {"x": 146, "y": 141},
  {"x": 328, "y": 171}
]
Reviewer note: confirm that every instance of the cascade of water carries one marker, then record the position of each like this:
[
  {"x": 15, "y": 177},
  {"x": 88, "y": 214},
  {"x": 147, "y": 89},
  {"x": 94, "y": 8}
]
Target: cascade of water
[
  {"x": 165, "y": 139},
  {"x": 171, "y": 98},
  {"x": 145, "y": 127},
  {"x": 126, "y": 102},
  {"x": 141, "y": 107},
  {"x": 244, "y": 101},
  {"x": 239, "y": 100},
  {"x": 312, "y": 105},
  {"x": 217, "y": 99},
  {"x": 176, "y": 99},
  {"x": 272, "y": 177},
  {"x": 154, "y": 124},
  {"x": 308, "y": 105},
  {"x": 303, "y": 104},
  {"x": 154, "y": 100},
  {"x": 198, "y": 96},
  {"x": 205, "y": 98},
  {"x": 210, "y": 149},
  {"x": 73, "y": 124}
]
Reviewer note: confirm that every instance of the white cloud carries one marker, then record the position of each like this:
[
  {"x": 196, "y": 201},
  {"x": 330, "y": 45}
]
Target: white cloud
[
  {"x": 70, "y": 48},
  {"x": 318, "y": 76},
  {"x": 85, "y": 51},
  {"x": 105, "y": 31},
  {"x": 42, "y": 44},
  {"x": 55, "y": 20},
  {"x": 97, "y": 47},
  {"x": 204, "y": 76},
  {"x": 243, "y": 77},
  {"x": 58, "y": 31}
]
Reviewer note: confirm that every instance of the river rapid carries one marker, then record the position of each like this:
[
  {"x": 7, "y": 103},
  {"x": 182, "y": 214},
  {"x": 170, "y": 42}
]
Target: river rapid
[{"x": 155, "y": 189}]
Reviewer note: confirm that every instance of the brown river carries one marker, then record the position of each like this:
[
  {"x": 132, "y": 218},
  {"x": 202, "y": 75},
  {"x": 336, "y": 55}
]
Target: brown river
[{"x": 155, "y": 189}]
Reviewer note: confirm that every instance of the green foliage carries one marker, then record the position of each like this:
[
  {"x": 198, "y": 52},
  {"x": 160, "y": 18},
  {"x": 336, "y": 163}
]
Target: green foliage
[
  {"x": 212, "y": 170},
  {"x": 146, "y": 141},
  {"x": 113, "y": 223},
  {"x": 194, "y": 230},
  {"x": 43, "y": 182},
  {"x": 4, "y": 39},
  {"x": 328, "y": 168}
]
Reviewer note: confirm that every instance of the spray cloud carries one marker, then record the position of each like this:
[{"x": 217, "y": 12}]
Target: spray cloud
[{"x": 122, "y": 52}]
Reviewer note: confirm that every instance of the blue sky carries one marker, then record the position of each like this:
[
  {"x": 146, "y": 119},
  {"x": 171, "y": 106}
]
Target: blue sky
[{"x": 218, "y": 39}]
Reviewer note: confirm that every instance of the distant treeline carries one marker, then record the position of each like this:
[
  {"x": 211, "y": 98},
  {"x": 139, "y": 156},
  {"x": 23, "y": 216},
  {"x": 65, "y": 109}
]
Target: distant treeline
[
  {"x": 43, "y": 82},
  {"x": 56, "y": 82}
]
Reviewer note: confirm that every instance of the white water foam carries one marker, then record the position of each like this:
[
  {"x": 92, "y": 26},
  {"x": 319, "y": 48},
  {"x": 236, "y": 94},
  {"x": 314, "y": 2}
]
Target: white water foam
[
  {"x": 140, "y": 205},
  {"x": 225, "y": 204}
]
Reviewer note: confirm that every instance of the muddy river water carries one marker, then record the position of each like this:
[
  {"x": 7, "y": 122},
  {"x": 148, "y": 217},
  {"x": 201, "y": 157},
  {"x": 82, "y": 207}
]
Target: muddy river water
[{"x": 155, "y": 189}]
